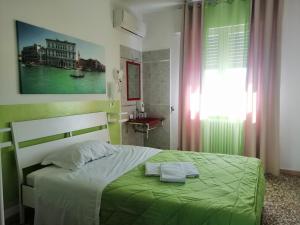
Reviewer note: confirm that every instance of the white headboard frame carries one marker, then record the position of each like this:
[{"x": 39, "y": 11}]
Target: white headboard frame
[{"x": 35, "y": 129}]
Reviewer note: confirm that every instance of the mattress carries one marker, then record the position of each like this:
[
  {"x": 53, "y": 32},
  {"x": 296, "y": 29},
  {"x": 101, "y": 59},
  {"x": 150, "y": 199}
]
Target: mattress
[{"x": 229, "y": 191}]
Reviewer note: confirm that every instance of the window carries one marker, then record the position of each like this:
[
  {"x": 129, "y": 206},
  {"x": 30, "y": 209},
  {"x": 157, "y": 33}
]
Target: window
[{"x": 225, "y": 68}]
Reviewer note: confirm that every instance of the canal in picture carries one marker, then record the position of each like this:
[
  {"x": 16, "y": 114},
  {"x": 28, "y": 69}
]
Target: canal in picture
[{"x": 52, "y": 80}]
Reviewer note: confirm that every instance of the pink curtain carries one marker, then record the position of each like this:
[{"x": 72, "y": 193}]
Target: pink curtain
[
  {"x": 189, "y": 102},
  {"x": 262, "y": 123}
]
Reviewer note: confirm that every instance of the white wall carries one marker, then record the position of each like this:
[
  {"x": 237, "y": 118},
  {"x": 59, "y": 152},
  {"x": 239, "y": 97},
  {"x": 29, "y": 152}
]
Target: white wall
[
  {"x": 161, "y": 27},
  {"x": 88, "y": 20},
  {"x": 290, "y": 87}
]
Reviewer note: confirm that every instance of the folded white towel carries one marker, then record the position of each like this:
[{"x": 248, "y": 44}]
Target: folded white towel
[
  {"x": 152, "y": 169},
  {"x": 191, "y": 170},
  {"x": 172, "y": 172}
]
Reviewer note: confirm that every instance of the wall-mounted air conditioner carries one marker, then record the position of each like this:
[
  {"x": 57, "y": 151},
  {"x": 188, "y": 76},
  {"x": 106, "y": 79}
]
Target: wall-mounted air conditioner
[{"x": 125, "y": 20}]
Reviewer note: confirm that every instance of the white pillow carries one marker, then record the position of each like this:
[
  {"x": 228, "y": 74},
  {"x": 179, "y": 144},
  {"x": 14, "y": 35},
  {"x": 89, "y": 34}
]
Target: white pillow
[{"x": 77, "y": 155}]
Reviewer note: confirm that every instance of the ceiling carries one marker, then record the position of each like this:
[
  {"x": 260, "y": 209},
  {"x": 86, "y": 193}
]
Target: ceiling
[{"x": 141, "y": 7}]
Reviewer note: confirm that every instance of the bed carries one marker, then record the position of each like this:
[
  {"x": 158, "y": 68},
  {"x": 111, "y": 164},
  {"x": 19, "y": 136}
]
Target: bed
[{"x": 229, "y": 190}]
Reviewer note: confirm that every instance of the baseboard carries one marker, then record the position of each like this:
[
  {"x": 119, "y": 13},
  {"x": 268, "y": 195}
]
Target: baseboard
[
  {"x": 290, "y": 172},
  {"x": 12, "y": 211}
]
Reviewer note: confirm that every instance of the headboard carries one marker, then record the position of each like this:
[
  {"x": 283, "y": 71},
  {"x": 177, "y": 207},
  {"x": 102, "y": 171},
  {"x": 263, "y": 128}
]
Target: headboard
[{"x": 36, "y": 129}]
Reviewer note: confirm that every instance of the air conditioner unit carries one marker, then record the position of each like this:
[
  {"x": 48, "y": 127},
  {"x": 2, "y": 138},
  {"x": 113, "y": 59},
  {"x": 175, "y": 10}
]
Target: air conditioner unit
[{"x": 126, "y": 21}]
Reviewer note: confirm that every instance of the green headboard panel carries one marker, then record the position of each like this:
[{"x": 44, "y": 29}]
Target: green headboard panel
[{"x": 9, "y": 113}]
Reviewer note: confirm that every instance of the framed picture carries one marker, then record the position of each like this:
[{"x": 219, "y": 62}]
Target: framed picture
[{"x": 54, "y": 63}]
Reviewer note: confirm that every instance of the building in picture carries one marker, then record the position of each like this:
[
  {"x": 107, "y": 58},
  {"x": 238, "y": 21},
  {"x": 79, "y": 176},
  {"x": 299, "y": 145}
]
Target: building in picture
[
  {"x": 60, "y": 53},
  {"x": 90, "y": 65},
  {"x": 33, "y": 54}
]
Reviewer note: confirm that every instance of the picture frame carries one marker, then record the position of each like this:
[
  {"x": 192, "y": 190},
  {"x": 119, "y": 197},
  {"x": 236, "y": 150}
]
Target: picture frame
[{"x": 53, "y": 63}]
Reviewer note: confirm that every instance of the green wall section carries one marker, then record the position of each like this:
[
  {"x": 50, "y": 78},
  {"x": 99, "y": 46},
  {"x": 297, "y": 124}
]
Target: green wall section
[{"x": 10, "y": 113}]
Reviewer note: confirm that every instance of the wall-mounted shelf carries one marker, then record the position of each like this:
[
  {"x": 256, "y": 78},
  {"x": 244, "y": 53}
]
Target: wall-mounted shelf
[
  {"x": 117, "y": 117},
  {"x": 5, "y": 144},
  {"x": 2, "y": 130},
  {"x": 117, "y": 121}
]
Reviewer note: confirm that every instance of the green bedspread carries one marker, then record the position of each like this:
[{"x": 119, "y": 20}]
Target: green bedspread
[{"x": 230, "y": 190}]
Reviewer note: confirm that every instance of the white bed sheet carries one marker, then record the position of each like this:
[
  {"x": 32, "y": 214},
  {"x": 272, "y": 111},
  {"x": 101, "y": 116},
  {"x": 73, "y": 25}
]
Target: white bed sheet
[
  {"x": 30, "y": 178},
  {"x": 64, "y": 197}
]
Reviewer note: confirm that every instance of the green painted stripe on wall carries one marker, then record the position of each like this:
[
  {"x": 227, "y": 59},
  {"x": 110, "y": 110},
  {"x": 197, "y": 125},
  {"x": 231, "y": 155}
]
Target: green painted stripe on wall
[{"x": 10, "y": 113}]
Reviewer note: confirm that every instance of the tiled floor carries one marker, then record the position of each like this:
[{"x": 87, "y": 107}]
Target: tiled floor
[{"x": 282, "y": 201}]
